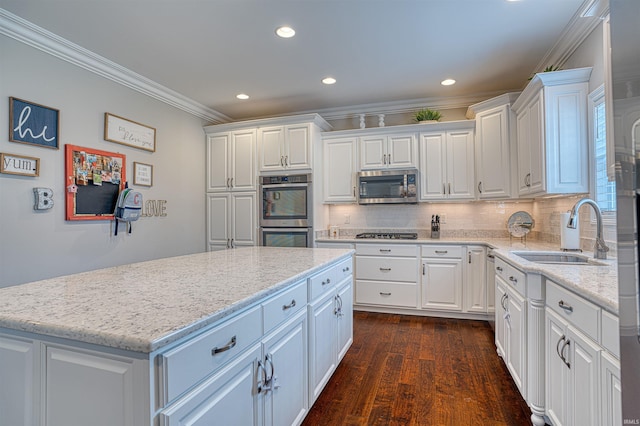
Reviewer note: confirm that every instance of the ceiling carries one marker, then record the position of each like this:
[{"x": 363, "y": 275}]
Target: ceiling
[{"x": 380, "y": 51}]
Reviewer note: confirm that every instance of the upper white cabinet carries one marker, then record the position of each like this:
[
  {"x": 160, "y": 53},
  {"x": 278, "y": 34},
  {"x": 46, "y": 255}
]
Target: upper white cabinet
[
  {"x": 285, "y": 147},
  {"x": 231, "y": 162},
  {"x": 339, "y": 169},
  {"x": 388, "y": 151},
  {"x": 551, "y": 122},
  {"x": 495, "y": 158},
  {"x": 447, "y": 163}
]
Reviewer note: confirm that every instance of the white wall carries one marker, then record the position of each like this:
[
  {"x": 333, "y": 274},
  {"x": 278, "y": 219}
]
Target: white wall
[{"x": 36, "y": 245}]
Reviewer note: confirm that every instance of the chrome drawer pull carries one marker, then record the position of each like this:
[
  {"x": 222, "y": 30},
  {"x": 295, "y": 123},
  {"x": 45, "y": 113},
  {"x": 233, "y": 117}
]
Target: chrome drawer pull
[
  {"x": 385, "y": 269},
  {"x": 385, "y": 294},
  {"x": 385, "y": 250},
  {"x": 326, "y": 282},
  {"x": 498, "y": 268},
  {"x": 565, "y": 306},
  {"x": 290, "y": 305},
  {"x": 345, "y": 269},
  {"x": 442, "y": 251},
  {"x": 513, "y": 279},
  {"x": 225, "y": 348}
]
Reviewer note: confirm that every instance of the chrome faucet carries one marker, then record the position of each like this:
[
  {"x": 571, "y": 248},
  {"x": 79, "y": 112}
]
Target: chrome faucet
[{"x": 600, "y": 249}]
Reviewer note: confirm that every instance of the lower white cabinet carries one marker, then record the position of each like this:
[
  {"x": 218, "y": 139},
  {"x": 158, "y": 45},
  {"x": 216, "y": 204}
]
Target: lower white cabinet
[
  {"x": 330, "y": 328},
  {"x": 475, "y": 282},
  {"x": 611, "y": 388},
  {"x": 18, "y": 372},
  {"x": 231, "y": 220},
  {"x": 442, "y": 277}
]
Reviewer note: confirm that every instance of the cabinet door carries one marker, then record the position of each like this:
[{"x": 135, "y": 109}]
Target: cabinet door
[
  {"x": 218, "y": 154},
  {"x": 297, "y": 147},
  {"x": 460, "y": 165},
  {"x": 501, "y": 312},
  {"x": 556, "y": 374},
  {"x": 286, "y": 351},
  {"x": 373, "y": 153},
  {"x": 611, "y": 397},
  {"x": 19, "y": 381},
  {"x": 523, "y": 123},
  {"x": 86, "y": 388},
  {"x": 339, "y": 170},
  {"x": 442, "y": 284},
  {"x": 218, "y": 226},
  {"x": 475, "y": 280},
  {"x": 433, "y": 162},
  {"x": 517, "y": 339},
  {"x": 401, "y": 151},
  {"x": 271, "y": 141},
  {"x": 243, "y": 167},
  {"x": 322, "y": 343},
  {"x": 537, "y": 180},
  {"x": 345, "y": 318},
  {"x": 243, "y": 219},
  {"x": 228, "y": 398},
  {"x": 584, "y": 396},
  {"x": 493, "y": 159}
]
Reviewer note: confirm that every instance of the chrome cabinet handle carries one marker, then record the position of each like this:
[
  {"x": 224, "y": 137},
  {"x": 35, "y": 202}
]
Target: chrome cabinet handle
[
  {"x": 328, "y": 281},
  {"x": 231, "y": 183},
  {"x": 286, "y": 160},
  {"x": 512, "y": 279},
  {"x": 228, "y": 183},
  {"x": 560, "y": 340},
  {"x": 490, "y": 256},
  {"x": 499, "y": 268},
  {"x": 385, "y": 250},
  {"x": 449, "y": 188},
  {"x": 338, "y": 310},
  {"x": 385, "y": 294},
  {"x": 527, "y": 180},
  {"x": 231, "y": 344},
  {"x": 469, "y": 258},
  {"x": 564, "y": 359},
  {"x": 232, "y": 241},
  {"x": 385, "y": 269},
  {"x": 388, "y": 158},
  {"x": 354, "y": 191},
  {"x": 424, "y": 268},
  {"x": 444, "y": 189},
  {"x": 261, "y": 386},
  {"x": 345, "y": 269},
  {"x": 565, "y": 306},
  {"x": 290, "y": 305},
  {"x": 442, "y": 251},
  {"x": 282, "y": 161},
  {"x": 480, "y": 187}
]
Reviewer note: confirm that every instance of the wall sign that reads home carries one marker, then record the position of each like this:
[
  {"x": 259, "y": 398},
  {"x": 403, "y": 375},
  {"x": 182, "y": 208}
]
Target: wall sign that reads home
[
  {"x": 19, "y": 165},
  {"x": 33, "y": 123}
]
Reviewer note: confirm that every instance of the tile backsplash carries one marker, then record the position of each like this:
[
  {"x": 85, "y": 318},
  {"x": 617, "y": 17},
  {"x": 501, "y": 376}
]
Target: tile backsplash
[{"x": 473, "y": 219}]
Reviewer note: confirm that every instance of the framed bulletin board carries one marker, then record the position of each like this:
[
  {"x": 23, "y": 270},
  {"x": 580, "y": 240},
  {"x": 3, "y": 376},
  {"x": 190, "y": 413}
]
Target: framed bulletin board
[{"x": 94, "y": 179}]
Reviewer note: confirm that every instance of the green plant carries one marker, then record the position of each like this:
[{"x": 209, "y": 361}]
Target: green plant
[
  {"x": 548, "y": 69},
  {"x": 426, "y": 114}
]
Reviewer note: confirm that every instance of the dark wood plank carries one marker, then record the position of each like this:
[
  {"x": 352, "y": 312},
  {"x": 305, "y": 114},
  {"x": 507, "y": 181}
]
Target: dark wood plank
[{"x": 409, "y": 370}]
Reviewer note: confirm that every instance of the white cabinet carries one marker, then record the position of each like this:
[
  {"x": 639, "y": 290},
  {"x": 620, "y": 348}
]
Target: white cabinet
[
  {"x": 330, "y": 324},
  {"x": 447, "y": 165},
  {"x": 442, "y": 277},
  {"x": 285, "y": 147},
  {"x": 386, "y": 275},
  {"x": 339, "y": 170},
  {"x": 495, "y": 125},
  {"x": 231, "y": 220},
  {"x": 511, "y": 322},
  {"x": 388, "y": 151},
  {"x": 231, "y": 161},
  {"x": 475, "y": 283},
  {"x": 551, "y": 122},
  {"x": 611, "y": 388},
  {"x": 18, "y": 375}
]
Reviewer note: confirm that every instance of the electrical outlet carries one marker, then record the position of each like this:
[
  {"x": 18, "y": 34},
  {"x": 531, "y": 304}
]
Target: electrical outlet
[
  {"x": 443, "y": 218},
  {"x": 347, "y": 219}
]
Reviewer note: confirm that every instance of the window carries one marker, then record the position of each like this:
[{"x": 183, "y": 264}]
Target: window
[{"x": 604, "y": 191}]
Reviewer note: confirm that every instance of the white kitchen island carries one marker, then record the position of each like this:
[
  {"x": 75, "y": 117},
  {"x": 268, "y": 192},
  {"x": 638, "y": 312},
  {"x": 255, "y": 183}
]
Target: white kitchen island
[{"x": 244, "y": 336}]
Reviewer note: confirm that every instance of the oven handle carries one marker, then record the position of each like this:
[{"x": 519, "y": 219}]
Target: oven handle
[{"x": 286, "y": 185}]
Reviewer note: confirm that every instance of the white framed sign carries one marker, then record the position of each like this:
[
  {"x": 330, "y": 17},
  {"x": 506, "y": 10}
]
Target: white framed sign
[
  {"x": 142, "y": 174},
  {"x": 19, "y": 165},
  {"x": 127, "y": 132}
]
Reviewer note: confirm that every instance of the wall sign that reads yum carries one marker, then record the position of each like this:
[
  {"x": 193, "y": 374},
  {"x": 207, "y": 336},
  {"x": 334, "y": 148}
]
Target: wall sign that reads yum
[{"x": 154, "y": 208}]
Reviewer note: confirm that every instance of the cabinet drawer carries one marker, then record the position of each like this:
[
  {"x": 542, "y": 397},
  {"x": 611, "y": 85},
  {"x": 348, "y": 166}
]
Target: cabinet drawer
[
  {"x": 322, "y": 282},
  {"x": 386, "y": 293},
  {"x": 512, "y": 276},
  {"x": 386, "y": 268},
  {"x": 449, "y": 252},
  {"x": 404, "y": 250},
  {"x": 611, "y": 333},
  {"x": 188, "y": 364},
  {"x": 284, "y": 306},
  {"x": 344, "y": 270},
  {"x": 577, "y": 311}
]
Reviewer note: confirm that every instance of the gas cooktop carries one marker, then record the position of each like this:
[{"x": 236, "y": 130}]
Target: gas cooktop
[{"x": 389, "y": 235}]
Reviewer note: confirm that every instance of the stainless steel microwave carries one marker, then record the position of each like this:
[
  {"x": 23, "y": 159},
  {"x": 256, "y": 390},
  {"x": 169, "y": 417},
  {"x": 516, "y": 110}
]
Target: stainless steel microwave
[{"x": 388, "y": 186}]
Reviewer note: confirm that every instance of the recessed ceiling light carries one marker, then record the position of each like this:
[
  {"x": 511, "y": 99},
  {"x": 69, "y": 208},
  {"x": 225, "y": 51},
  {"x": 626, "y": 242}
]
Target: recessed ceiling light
[
  {"x": 242, "y": 96},
  {"x": 285, "y": 32},
  {"x": 329, "y": 80},
  {"x": 448, "y": 82}
]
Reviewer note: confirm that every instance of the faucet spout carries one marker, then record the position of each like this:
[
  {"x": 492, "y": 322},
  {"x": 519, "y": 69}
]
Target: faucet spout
[{"x": 600, "y": 249}]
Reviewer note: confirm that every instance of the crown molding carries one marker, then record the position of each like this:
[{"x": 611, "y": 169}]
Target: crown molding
[{"x": 32, "y": 35}]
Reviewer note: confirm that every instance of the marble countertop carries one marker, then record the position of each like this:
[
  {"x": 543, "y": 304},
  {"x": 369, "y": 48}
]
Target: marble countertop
[
  {"x": 143, "y": 306},
  {"x": 598, "y": 284}
]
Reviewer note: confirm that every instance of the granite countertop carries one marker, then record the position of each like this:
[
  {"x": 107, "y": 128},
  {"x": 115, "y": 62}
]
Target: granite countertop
[
  {"x": 143, "y": 306},
  {"x": 598, "y": 284}
]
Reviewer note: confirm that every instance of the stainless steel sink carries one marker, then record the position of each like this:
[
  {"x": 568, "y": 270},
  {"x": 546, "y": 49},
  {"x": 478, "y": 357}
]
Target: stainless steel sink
[{"x": 558, "y": 258}]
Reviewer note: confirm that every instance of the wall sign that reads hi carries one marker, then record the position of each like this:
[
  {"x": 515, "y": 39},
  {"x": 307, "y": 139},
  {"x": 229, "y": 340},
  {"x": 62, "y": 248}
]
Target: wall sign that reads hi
[{"x": 154, "y": 208}]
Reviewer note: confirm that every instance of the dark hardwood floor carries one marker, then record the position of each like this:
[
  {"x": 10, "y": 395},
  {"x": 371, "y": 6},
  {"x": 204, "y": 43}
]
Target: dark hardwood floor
[{"x": 410, "y": 370}]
